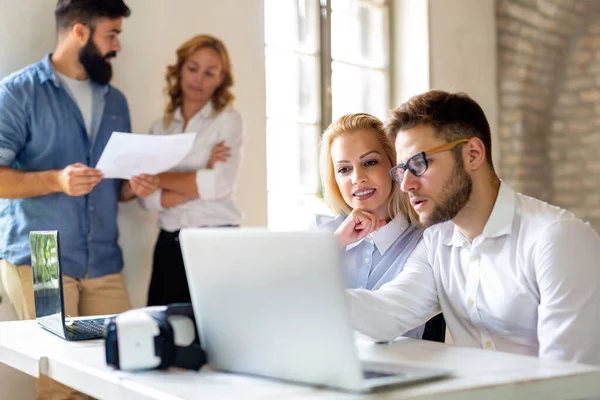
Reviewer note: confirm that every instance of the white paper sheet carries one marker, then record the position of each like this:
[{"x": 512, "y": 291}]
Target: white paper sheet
[{"x": 127, "y": 155}]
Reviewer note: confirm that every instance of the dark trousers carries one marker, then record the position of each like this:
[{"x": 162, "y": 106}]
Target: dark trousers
[{"x": 168, "y": 283}]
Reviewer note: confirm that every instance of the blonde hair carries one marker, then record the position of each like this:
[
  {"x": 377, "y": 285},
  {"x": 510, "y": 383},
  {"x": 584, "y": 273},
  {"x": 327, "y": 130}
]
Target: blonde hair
[
  {"x": 222, "y": 96},
  {"x": 351, "y": 123}
]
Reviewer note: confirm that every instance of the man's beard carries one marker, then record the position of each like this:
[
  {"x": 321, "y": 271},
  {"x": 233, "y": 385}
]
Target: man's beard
[
  {"x": 95, "y": 63},
  {"x": 454, "y": 196}
]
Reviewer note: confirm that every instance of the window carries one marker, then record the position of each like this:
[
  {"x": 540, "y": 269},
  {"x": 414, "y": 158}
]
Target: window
[{"x": 323, "y": 59}]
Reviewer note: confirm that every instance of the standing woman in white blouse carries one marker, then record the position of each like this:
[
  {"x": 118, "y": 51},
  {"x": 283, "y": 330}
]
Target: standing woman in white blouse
[{"x": 199, "y": 191}]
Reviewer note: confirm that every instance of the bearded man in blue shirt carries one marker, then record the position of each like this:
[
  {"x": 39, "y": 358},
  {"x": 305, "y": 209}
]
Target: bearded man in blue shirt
[{"x": 56, "y": 117}]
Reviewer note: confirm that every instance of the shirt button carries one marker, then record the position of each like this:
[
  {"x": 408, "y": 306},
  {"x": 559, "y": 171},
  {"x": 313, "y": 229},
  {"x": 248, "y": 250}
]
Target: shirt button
[
  {"x": 470, "y": 303},
  {"x": 366, "y": 260},
  {"x": 91, "y": 208},
  {"x": 89, "y": 237},
  {"x": 488, "y": 344},
  {"x": 474, "y": 258}
]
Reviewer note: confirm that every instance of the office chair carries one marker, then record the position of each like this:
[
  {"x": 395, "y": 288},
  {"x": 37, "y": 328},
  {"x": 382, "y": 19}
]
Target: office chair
[{"x": 435, "y": 329}]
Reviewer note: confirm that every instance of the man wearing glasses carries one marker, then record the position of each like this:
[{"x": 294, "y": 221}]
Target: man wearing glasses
[{"x": 509, "y": 272}]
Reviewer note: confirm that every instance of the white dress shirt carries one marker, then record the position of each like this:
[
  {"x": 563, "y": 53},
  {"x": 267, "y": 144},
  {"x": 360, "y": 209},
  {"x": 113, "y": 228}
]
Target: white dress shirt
[
  {"x": 217, "y": 204},
  {"x": 529, "y": 284}
]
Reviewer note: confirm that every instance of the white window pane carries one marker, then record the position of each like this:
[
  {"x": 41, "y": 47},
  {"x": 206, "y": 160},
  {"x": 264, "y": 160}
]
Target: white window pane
[
  {"x": 292, "y": 24},
  {"x": 357, "y": 89},
  {"x": 292, "y": 86},
  {"x": 293, "y": 211},
  {"x": 292, "y": 157},
  {"x": 358, "y": 35},
  {"x": 344, "y": 5},
  {"x": 341, "y": 5}
]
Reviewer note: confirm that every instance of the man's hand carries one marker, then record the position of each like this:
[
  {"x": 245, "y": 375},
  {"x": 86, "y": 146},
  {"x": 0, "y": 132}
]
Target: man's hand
[
  {"x": 219, "y": 153},
  {"x": 356, "y": 226},
  {"x": 144, "y": 185},
  {"x": 78, "y": 179}
]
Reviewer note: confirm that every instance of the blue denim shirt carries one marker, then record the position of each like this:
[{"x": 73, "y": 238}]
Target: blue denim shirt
[{"x": 41, "y": 128}]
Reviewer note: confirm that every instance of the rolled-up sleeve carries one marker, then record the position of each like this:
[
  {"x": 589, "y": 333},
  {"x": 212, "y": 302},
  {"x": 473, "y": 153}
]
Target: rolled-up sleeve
[
  {"x": 568, "y": 273},
  {"x": 400, "y": 305},
  {"x": 219, "y": 183},
  {"x": 13, "y": 127}
]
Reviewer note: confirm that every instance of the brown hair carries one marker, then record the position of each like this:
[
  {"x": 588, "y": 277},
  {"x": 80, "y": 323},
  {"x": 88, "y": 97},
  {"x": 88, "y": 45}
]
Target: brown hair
[
  {"x": 454, "y": 116},
  {"x": 351, "y": 123},
  {"x": 222, "y": 97}
]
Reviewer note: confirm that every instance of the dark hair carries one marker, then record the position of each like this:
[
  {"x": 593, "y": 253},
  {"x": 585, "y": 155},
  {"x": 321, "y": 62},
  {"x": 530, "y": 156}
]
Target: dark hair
[
  {"x": 454, "y": 116},
  {"x": 71, "y": 12}
]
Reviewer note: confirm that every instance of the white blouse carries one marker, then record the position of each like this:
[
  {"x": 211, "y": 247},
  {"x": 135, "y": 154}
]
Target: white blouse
[{"x": 217, "y": 204}]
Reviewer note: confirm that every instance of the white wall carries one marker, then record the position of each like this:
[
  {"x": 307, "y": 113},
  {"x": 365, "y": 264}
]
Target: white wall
[
  {"x": 19, "y": 44},
  {"x": 449, "y": 45},
  {"x": 410, "y": 41},
  {"x": 463, "y": 53},
  {"x": 150, "y": 37}
]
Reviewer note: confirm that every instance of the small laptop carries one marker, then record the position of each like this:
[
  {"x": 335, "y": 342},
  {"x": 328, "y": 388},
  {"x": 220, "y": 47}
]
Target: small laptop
[
  {"x": 273, "y": 304},
  {"x": 48, "y": 292}
]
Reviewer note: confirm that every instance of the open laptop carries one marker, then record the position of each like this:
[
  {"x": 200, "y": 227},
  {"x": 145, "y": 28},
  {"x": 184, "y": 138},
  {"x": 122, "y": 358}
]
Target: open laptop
[
  {"x": 273, "y": 304},
  {"x": 48, "y": 292}
]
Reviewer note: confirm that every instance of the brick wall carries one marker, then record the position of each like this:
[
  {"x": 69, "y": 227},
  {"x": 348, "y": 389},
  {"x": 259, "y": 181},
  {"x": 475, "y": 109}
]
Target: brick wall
[
  {"x": 549, "y": 96},
  {"x": 574, "y": 135}
]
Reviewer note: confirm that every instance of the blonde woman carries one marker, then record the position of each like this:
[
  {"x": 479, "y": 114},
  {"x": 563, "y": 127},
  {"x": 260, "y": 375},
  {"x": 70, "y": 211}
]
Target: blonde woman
[
  {"x": 200, "y": 191},
  {"x": 372, "y": 216}
]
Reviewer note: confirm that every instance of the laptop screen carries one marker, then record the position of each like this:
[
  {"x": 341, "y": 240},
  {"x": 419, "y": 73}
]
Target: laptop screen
[{"x": 47, "y": 288}]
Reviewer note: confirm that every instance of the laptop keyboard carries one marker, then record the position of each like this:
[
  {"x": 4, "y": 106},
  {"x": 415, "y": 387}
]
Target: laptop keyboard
[
  {"x": 375, "y": 374},
  {"x": 90, "y": 327}
]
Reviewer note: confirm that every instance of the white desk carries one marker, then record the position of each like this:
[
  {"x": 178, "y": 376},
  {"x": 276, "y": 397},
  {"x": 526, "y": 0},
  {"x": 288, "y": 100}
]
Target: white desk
[{"x": 478, "y": 374}]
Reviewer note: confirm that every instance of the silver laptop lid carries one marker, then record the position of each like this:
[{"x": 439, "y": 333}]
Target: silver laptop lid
[
  {"x": 47, "y": 282},
  {"x": 272, "y": 304}
]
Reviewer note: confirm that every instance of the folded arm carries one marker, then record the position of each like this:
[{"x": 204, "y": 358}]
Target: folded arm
[
  {"x": 183, "y": 183},
  {"x": 207, "y": 183}
]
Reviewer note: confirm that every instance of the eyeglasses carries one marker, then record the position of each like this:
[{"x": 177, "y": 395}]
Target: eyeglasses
[{"x": 418, "y": 163}]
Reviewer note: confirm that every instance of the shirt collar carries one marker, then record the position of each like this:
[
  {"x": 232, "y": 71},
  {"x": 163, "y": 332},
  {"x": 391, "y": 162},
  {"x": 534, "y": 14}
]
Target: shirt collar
[
  {"x": 205, "y": 112},
  {"x": 386, "y": 235},
  {"x": 499, "y": 222},
  {"x": 47, "y": 73}
]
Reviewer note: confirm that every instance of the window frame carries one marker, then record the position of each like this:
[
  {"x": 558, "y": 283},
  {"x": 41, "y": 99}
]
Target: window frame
[{"x": 324, "y": 58}]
